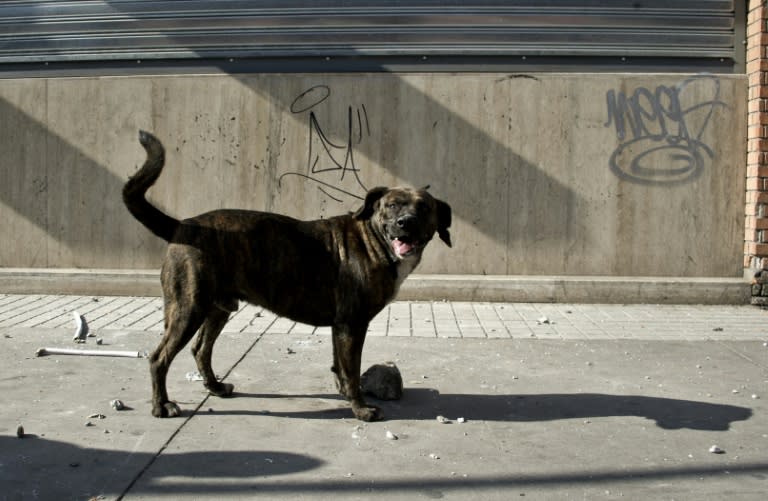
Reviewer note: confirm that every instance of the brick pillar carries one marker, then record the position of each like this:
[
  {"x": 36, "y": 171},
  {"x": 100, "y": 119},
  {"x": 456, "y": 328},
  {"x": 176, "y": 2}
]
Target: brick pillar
[{"x": 756, "y": 234}]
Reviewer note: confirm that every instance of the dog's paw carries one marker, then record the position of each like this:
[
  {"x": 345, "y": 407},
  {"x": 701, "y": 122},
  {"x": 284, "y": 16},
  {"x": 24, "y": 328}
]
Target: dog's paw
[
  {"x": 367, "y": 413},
  {"x": 168, "y": 409},
  {"x": 221, "y": 389}
]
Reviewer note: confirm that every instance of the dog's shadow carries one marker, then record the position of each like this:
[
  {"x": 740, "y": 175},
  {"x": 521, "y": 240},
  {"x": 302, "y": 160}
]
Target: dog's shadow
[{"x": 426, "y": 404}]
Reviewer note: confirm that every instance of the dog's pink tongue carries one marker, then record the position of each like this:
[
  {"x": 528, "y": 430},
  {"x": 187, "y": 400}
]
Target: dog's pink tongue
[{"x": 401, "y": 248}]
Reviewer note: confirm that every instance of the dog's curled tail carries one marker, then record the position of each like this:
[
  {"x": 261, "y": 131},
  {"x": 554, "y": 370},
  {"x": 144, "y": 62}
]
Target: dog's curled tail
[{"x": 134, "y": 191}]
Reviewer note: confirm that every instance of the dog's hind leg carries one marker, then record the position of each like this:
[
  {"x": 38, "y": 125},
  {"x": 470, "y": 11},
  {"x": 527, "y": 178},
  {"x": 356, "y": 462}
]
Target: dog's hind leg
[
  {"x": 181, "y": 323},
  {"x": 202, "y": 349}
]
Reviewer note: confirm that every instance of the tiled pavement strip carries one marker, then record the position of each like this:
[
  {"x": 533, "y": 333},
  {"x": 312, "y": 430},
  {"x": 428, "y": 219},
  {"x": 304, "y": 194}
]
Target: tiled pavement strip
[{"x": 421, "y": 319}]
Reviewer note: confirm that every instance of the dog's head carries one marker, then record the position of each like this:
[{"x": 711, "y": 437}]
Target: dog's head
[{"x": 406, "y": 218}]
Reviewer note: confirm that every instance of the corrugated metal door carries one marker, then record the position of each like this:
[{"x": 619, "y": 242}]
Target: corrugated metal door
[{"x": 634, "y": 35}]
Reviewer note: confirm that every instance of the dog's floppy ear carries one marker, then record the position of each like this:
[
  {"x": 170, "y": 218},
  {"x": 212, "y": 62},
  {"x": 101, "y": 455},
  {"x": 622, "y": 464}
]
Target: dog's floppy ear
[
  {"x": 443, "y": 221},
  {"x": 373, "y": 196}
]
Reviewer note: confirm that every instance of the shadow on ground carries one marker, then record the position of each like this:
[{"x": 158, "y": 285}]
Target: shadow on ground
[{"x": 419, "y": 404}]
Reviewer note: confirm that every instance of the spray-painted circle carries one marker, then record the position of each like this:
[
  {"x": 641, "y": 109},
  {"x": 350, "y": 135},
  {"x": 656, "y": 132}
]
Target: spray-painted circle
[
  {"x": 659, "y": 160},
  {"x": 310, "y": 98}
]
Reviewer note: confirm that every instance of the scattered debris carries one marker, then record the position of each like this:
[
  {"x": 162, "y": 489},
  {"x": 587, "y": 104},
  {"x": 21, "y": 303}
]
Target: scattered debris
[
  {"x": 194, "y": 376},
  {"x": 542, "y": 320},
  {"x": 391, "y": 436},
  {"x": 97, "y": 416},
  {"x": 88, "y": 423},
  {"x": 118, "y": 405},
  {"x": 20, "y": 431},
  {"x": 716, "y": 450},
  {"x": 755, "y": 396},
  {"x": 434, "y": 456},
  {"x": 718, "y": 329},
  {"x": 81, "y": 328},
  {"x": 290, "y": 351},
  {"x": 89, "y": 353},
  {"x": 461, "y": 420},
  {"x": 443, "y": 420},
  {"x": 383, "y": 381}
]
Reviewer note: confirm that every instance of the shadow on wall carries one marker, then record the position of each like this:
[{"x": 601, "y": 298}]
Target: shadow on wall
[
  {"x": 73, "y": 214},
  {"x": 464, "y": 149},
  {"x": 70, "y": 205}
]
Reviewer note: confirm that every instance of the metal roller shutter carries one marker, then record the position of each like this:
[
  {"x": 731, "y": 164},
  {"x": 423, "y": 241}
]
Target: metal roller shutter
[{"x": 704, "y": 35}]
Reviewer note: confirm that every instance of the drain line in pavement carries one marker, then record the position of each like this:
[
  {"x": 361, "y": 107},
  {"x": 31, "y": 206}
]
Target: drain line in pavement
[{"x": 191, "y": 415}]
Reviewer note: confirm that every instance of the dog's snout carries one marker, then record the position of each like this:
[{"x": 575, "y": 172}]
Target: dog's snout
[{"x": 406, "y": 221}]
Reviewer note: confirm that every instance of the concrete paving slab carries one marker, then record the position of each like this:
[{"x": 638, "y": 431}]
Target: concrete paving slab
[{"x": 620, "y": 402}]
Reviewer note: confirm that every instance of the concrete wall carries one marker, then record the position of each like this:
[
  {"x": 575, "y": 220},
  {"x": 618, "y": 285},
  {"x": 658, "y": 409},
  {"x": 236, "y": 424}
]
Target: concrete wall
[{"x": 572, "y": 174}]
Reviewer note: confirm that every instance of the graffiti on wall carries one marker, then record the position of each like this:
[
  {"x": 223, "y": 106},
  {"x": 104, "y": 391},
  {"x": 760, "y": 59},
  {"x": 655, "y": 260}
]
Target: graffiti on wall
[
  {"x": 661, "y": 131},
  {"x": 331, "y": 163}
]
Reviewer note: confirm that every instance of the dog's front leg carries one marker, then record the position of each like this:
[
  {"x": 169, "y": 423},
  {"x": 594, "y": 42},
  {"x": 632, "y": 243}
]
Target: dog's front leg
[{"x": 347, "y": 354}]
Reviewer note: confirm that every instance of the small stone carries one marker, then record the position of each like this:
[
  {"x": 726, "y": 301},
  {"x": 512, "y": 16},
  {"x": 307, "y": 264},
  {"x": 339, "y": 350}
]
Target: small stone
[
  {"x": 391, "y": 436},
  {"x": 116, "y": 404},
  {"x": 443, "y": 420},
  {"x": 88, "y": 423},
  {"x": 461, "y": 420},
  {"x": 100, "y": 340},
  {"x": 20, "y": 431},
  {"x": 716, "y": 450},
  {"x": 97, "y": 416},
  {"x": 434, "y": 456},
  {"x": 542, "y": 320}
]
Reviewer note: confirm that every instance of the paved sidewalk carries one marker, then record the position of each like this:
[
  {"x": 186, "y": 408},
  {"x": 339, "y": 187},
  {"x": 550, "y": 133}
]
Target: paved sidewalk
[
  {"x": 558, "y": 402},
  {"x": 443, "y": 319}
]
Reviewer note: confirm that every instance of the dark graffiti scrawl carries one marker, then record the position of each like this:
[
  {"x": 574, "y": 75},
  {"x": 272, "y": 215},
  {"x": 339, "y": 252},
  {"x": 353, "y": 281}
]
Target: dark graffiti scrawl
[
  {"x": 331, "y": 164},
  {"x": 661, "y": 138}
]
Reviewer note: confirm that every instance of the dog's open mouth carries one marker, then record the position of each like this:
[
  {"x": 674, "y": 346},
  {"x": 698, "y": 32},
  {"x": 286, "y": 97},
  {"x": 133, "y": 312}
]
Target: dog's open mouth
[{"x": 404, "y": 246}]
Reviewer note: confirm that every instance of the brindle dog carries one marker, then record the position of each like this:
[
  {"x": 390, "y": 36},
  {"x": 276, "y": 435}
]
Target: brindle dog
[{"x": 339, "y": 271}]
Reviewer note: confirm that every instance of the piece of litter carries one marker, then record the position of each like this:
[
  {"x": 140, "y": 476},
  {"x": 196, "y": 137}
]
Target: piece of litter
[
  {"x": 542, "y": 320},
  {"x": 41, "y": 352},
  {"x": 391, "y": 436},
  {"x": 81, "y": 328},
  {"x": 443, "y": 420},
  {"x": 20, "y": 431},
  {"x": 97, "y": 416},
  {"x": 194, "y": 376},
  {"x": 289, "y": 351},
  {"x": 434, "y": 456},
  {"x": 734, "y": 391},
  {"x": 118, "y": 405},
  {"x": 718, "y": 329},
  {"x": 88, "y": 423},
  {"x": 716, "y": 450},
  {"x": 461, "y": 420},
  {"x": 755, "y": 396},
  {"x": 100, "y": 341}
]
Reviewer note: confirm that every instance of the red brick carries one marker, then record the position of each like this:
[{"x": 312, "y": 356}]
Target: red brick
[
  {"x": 756, "y": 249},
  {"x": 757, "y": 65},
  {"x": 757, "y": 144},
  {"x": 755, "y": 118},
  {"x": 757, "y": 169}
]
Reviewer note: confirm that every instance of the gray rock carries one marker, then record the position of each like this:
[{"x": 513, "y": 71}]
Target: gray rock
[{"x": 383, "y": 381}]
